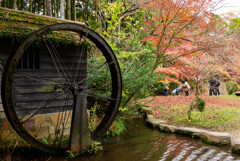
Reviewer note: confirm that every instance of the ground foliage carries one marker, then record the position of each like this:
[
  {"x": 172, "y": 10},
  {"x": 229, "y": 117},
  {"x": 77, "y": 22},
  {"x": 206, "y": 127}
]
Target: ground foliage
[
  {"x": 183, "y": 100},
  {"x": 221, "y": 113},
  {"x": 232, "y": 87},
  {"x": 198, "y": 104}
]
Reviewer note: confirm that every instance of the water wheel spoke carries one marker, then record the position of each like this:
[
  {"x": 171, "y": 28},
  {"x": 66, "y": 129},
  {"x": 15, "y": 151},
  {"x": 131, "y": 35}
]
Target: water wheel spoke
[
  {"x": 40, "y": 80},
  {"x": 64, "y": 125},
  {"x": 57, "y": 60},
  {"x": 101, "y": 97},
  {"x": 92, "y": 73},
  {"x": 76, "y": 53},
  {"x": 78, "y": 60},
  {"x": 41, "y": 105},
  {"x": 61, "y": 120}
]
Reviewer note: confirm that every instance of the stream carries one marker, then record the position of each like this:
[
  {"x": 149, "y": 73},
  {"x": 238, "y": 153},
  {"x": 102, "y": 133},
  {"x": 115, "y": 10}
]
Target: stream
[{"x": 141, "y": 143}]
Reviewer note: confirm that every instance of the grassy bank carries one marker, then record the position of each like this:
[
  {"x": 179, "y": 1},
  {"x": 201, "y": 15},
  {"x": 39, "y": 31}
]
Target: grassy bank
[{"x": 221, "y": 113}]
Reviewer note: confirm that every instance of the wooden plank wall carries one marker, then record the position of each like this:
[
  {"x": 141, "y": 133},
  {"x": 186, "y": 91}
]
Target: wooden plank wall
[
  {"x": 29, "y": 93},
  {"x": 7, "y": 47}
]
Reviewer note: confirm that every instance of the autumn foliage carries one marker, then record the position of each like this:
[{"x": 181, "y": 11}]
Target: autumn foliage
[
  {"x": 190, "y": 41},
  {"x": 180, "y": 25}
]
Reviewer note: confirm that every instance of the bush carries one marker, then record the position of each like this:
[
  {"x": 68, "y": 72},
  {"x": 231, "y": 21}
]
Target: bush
[
  {"x": 172, "y": 86},
  {"x": 232, "y": 87},
  {"x": 156, "y": 89},
  {"x": 117, "y": 128},
  {"x": 198, "y": 104}
]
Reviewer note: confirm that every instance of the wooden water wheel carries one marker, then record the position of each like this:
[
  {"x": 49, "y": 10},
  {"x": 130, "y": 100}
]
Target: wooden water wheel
[{"x": 47, "y": 79}]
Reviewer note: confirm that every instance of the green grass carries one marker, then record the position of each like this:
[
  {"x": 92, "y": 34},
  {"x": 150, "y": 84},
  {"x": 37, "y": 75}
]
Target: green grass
[
  {"x": 232, "y": 96},
  {"x": 217, "y": 118}
]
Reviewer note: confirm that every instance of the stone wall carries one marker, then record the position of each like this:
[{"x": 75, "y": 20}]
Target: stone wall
[
  {"x": 40, "y": 126},
  {"x": 210, "y": 137}
]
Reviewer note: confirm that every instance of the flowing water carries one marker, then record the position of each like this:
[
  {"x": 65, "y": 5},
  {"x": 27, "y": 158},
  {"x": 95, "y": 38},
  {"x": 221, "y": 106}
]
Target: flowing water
[{"x": 141, "y": 143}]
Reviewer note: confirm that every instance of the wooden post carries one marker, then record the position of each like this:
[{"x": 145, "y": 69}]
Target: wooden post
[{"x": 80, "y": 133}]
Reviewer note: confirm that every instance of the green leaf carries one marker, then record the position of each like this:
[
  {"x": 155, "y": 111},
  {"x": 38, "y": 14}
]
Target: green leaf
[{"x": 45, "y": 141}]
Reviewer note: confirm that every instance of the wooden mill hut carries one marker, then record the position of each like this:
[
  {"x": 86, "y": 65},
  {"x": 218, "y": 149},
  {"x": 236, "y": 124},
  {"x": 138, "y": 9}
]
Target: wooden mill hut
[{"x": 15, "y": 26}]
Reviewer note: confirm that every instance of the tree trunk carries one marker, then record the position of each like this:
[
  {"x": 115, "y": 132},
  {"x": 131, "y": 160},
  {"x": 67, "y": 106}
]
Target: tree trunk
[
  {"x": 44, "y": 7},
  {"x": 73, "y": 10},
  {"x": 62, "y": 6},
  {"x": 53, "y": 8},
  {"x": 4, "y": 3},
  {"x": 119, "y": 30},
  {"x": 14, "y": 4},
  {"x": 22, "y": 5},
  {"x": 197, "y": 89},
  {"x": 19, "y": 5},
  {"x": 57, "y": 8},
  {"x": 100, "y": 25},
  {"x": 34, "y": 6},
  {"x": 9, "y": 4},
  {"x": 189, "y": 114},
  {"x": 68, "y": 10},
  {"x": 30, "y": 6},
  {"x": 96, "y": 8},
  {"x": 39, "y": 6},
  {"x": 48, "y": 8}
]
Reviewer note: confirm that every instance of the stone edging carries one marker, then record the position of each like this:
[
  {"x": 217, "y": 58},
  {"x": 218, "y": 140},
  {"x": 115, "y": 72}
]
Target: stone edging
[{"x": 210, "y": 137}]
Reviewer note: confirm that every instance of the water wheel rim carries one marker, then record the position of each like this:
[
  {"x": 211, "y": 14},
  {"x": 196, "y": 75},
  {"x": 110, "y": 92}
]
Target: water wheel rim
[{"x": 11, "y": 66}]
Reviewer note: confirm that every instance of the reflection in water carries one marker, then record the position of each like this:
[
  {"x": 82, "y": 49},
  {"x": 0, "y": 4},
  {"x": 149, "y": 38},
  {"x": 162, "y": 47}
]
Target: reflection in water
[{"x": 142, "y": 143}]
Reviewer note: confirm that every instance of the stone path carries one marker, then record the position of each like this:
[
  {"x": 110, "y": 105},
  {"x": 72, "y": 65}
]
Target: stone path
[{"x": 210, "y": 137}]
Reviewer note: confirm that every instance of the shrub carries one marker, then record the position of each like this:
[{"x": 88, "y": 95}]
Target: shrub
[
  {"x": 95, "y": 147},
  {"x": 232, "y": 87},
  {"x": 156, "y": 89},
  {"x": 172, "y": 86},
  {"x": 117, "y": 128},
  {"x": 198, "y": 104}
]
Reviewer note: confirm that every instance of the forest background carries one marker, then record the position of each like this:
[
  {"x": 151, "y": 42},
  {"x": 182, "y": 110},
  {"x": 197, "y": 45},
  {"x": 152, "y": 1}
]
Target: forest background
[{"x": 156, "y": 40}]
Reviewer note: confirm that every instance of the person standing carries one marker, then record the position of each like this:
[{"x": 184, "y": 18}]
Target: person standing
[
  {"x": 212, "y": 86},
  {"x": 166, "y": 88},
  {"x": 218, "y": 82},
  {"x": 186, "y": 87}
]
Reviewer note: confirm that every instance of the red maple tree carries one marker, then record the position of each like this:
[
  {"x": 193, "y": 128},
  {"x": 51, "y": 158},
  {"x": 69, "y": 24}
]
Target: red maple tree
[
  {"x": 190, "y": 40},
  {"x": 185, "y": 26}
]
